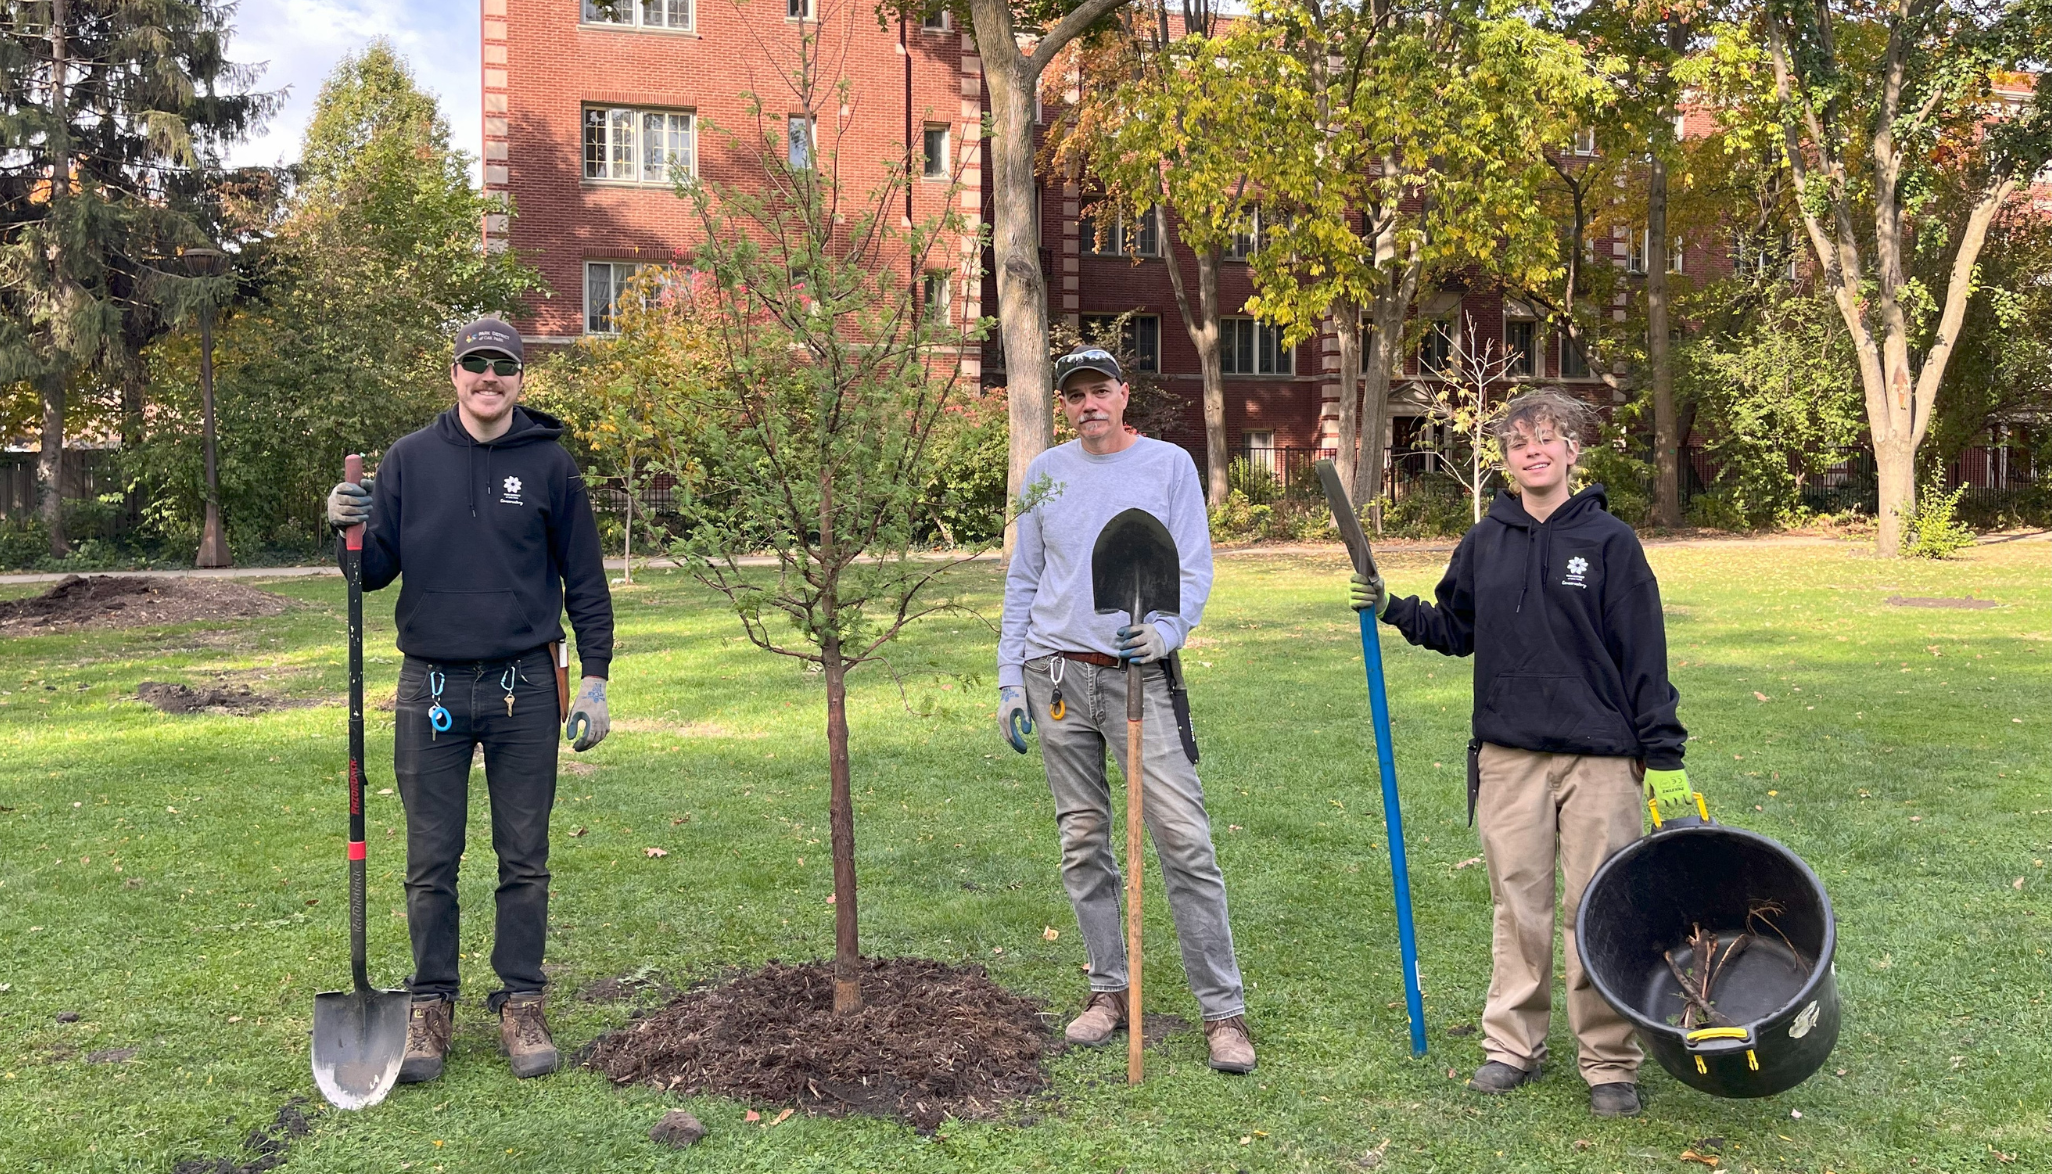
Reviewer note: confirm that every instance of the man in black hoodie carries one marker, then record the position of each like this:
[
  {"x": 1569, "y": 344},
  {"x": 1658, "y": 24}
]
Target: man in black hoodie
[
  {"x": 1553, "y": 597},
  {"x": 486, "y": 518}
]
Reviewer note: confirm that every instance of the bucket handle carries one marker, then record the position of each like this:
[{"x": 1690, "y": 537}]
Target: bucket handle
[
  {"x": 1701, "y": 817},
  {"x": 1706, "y": 1034}
]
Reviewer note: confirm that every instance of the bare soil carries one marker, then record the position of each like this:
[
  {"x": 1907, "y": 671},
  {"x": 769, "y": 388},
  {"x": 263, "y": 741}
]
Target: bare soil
[
  {"x": 933, "y": 1041},
  {"x": 267, "y": 1146},
  {"x": 239, "y": 700},
  {"x": 132, "y": 601}
]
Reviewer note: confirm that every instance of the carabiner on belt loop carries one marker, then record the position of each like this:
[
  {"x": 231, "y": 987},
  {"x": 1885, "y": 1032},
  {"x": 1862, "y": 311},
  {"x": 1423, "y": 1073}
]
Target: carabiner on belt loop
[
  {"x": 1057, "y": 709},
  {"x": 438, "y": 718}
]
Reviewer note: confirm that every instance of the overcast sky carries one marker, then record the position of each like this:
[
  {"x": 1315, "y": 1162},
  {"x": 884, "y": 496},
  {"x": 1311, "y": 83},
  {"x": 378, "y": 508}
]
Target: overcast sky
[{"x": 299, "y": 41}]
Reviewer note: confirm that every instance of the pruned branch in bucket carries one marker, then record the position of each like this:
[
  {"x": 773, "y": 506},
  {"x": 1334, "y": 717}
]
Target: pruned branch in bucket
[{"x": 1710, "y": 957}]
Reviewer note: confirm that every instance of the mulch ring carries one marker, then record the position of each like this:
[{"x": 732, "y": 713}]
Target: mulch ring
[
  {"x": 131, "y": 601},
  {"x": 933, "y": 1041}
]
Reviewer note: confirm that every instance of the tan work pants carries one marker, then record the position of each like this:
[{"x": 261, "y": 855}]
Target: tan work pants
[{"x": 1534, "y": 807}]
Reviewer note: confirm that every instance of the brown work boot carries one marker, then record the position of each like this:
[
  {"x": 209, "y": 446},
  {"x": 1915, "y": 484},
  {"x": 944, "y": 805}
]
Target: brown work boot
[
  {"x": 524, "y": 1036},
  {"x": 1102, "y": 1017},
  {"x": 429, "y": 1025},
  {"x": 1232, "y": 1049}
]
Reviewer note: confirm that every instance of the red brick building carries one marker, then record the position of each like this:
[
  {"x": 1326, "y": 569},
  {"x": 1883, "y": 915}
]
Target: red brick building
[{"x": 588, "y": 106}]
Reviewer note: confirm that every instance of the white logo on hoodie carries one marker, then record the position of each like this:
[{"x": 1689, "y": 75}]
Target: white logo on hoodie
[
  {"x": 1577, "y": 572},
  {"x": 512, "y": 494}
]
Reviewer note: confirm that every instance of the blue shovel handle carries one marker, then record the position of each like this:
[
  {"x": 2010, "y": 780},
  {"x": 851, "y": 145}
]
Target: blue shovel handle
[{"x": 1393, "y": 817}]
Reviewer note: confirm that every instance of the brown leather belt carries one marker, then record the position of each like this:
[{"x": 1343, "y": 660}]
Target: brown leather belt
[{"x": 1097, "y": 658}]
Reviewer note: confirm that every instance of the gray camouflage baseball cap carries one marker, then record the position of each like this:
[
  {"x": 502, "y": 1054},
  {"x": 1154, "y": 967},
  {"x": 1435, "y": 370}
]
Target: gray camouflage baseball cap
[{"x": 1089, "y": 358}]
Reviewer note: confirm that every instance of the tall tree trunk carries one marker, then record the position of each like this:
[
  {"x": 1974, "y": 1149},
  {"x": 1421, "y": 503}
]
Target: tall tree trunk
[
  {"x": 1378, "y": 372},
  {"x": 1013, "y": 79},
  {"x": 841, "y": 821},
  {"x": 1346, "y": 323},
  {"x": 50, "y": 461},
  {"x": 1201, "y": 321},
  {"x": 1666, "y": 457}
]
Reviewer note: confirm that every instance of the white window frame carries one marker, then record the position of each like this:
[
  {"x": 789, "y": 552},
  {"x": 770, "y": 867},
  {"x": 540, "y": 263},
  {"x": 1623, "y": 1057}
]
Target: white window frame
[
  {"x": 1674, "y": 255},
  {"x": 618, "y": 274},
  {"x": 792, "y": 125},
  {"x": 1585, "y": 142},
  {"x": 937, "y": 164},
  {"x": 1264, "y": 344},
  {"x": 636, "y": 12},
  {"x": 938, "y": 20},
  {"x": 628, "y": 163},
  {"x": 1116, "y": 237},
  {"x": 1641, "y": 245},
  {"x": 1530, "y": 349},
  {"x": 801, "y": 10},
  {"x": 1245, "y": 244},
  {"x": 936, "y": 294},
  {"x": 1568, "y": 354}
]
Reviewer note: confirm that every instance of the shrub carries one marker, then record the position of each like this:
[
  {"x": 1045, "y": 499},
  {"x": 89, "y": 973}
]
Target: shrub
[
  {"x": 1433, "y": 507},
  {"x": 1625, "y": 477},
  {"x": 1238, "y": 520},
  {"x": 1718, "y": 510},
  {"x": 1934, "y": 529}
]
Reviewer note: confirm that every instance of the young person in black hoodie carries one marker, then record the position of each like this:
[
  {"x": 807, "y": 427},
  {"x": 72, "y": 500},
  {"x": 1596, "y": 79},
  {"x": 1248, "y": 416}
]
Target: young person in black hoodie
[
  {"x": 485, "y": 518},
  {"x": 1573, "y": 715}
]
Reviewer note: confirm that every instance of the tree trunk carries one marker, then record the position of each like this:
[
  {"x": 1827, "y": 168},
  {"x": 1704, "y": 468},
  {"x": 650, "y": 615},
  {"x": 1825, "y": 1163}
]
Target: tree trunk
[
  {"x": 1378, "y": 372},
  {"x": 1666, "y": 457},
  {"x": 50, "y": 461},
  {"x": 841, "y": 820},
  {"x": 1346, "y": 319},
  {"x": 1201, "y": 321}
]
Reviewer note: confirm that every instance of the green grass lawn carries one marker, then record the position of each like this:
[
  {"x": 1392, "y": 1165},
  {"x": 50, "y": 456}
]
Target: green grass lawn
[{"x": 179, "y": 883}]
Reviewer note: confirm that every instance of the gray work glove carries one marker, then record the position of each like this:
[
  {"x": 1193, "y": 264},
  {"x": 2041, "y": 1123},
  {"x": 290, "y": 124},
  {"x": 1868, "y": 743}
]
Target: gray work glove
[
  {"x": 589, "y": 722},
  {"x": 1366, "y": 591},
  {"x": 1014, "y": 720},
  {"x": 349, "y": 505},
  {"x": 1144, "y": 644}
]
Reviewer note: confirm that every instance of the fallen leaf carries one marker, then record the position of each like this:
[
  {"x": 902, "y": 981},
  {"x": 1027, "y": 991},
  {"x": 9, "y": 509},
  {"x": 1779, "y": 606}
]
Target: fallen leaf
[
  {"x": 751, "y": 1115},
  {"x": 578, "y": 831},
  {"x": 830, "y": 898},
  {"x": 384, "y": 790},
  {"x": 781, "y": 1117},
  {"x": 654, "y": 853},
  {"x": 1691, "y": 1155},
  {"x": 1245, "y": 1140},
  {"x": 1051, "y": 933},
  {"x": 1757, "y": 696},
  {"x": 2017, "y": 884},
  {"x": 1582, "y": 1143},
  {"x": 1470, "y": 862}
]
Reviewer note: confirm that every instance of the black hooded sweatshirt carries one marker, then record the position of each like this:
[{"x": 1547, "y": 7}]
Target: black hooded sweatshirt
[
  {"x": 1563, "y": 617},
  {"x": 493, "y": 539}
]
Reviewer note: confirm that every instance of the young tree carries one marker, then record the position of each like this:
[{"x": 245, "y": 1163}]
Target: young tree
[
  {"x": 1875, "y": 109},
  {"x": 1459, "y": 405},
  {"x": 1013, "y": 74},
  {"x": 810, "y": 439},
  {"x": 1402, "y": 144},
  {"x": 1154, "y": 129},
  {"x": 104, "y": 106}
]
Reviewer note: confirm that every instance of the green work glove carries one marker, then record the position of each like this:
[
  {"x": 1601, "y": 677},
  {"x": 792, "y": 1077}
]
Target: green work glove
[
  {"x": 1015, "y": 721},
  {"x": 1366, "y": 591},
  {"x": 589, "y": 721},
  {"x": 1669, "y": 790}
]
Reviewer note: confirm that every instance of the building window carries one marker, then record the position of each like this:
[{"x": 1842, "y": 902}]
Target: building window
[
  {"x": 936, "y": 20},
  {"x": 1140, "y": 337},
  {"x": 647, "y": 14},
  {"x": 800, "y": 10},
  {"x": 1585, "y": 141},
  {"x": 1254, "y": 348},
  {"x": 603, "y": 283},
  {"x": 1245, "y": 244},
  {"x": 1435, "y": 350},
  {"x": 800, "y": 130},
  {"x": 1517, "y": 346},
  {"x": 1140, "y": 236},
  {"x": 1674, "y": 256},
  {"x": 933, "y": 295},
  {"x": 936, "y": 165},
  {"x": 1642, "y": 240},
  {"x": 1573, "y": 364},
  {"x": 639, "y": 146}
]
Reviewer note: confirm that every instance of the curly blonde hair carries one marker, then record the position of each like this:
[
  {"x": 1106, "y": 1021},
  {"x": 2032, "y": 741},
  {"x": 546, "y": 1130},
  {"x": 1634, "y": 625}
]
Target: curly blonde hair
[{"x": 1570, "y": 416}]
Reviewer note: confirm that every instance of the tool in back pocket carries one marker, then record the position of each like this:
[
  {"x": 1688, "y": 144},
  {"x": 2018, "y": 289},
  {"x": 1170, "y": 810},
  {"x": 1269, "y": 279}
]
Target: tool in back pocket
[{"x": 1179, "y": 698}]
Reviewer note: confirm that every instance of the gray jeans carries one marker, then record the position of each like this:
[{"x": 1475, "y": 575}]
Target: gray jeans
[{"x": 1073, "y": 751}]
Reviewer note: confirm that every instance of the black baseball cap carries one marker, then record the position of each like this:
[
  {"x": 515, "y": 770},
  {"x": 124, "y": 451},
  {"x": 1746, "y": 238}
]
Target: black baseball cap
[
  {"x": 1089, "y": 358},
  {"x": 488, "y": 334}
]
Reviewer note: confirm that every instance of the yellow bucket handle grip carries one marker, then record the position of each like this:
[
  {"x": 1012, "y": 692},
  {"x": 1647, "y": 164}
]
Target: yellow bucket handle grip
[{"x": 1705, "y": 1033}]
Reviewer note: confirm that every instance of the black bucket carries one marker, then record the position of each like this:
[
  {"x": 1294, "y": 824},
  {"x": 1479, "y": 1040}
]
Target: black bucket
[{"x": 1779, "y": 995}]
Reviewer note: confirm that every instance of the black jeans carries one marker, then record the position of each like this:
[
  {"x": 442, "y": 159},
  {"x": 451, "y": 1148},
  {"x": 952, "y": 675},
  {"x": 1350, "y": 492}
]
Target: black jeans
[{"x": 433, "y": 770}]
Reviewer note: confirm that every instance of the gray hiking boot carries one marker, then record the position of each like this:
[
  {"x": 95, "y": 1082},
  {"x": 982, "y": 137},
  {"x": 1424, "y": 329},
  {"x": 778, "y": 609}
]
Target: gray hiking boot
[
  {"x": 1232, "y": 1049},
  {"x": 429, "y": 1025},
  {"x": 1102, "y": 1017},
  {"x": 1499, "y": 1077},
  {"x": 1614, "y": 1100},
  {"x": 524, "y": 1036}
]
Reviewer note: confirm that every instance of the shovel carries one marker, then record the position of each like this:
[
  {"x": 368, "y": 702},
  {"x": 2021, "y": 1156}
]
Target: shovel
[
  {"x": 359, "y": 1036},
  {"x": 1378, "y": 705},
  {"x": 1134, "y": 569}
]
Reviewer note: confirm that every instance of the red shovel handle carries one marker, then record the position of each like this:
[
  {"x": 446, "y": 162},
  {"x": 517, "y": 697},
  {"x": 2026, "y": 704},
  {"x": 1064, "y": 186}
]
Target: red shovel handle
[{"x": 352, "y": 472}]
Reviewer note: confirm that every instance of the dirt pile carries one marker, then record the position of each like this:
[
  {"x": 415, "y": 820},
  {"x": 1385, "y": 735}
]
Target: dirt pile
[
  {"x": 933, "y": 1041},
  {"x": 132, "y": 601},
  {"x": 267, "y": 1146},
  {"x": 239, "y": 700}
]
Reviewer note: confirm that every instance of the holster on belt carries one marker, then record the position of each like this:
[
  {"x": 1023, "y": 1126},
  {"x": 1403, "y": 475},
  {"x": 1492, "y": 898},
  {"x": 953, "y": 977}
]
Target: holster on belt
[
  {"x": 1474, "y": 776},
  {"x": 1179, "y": 698},
  {"x": 559, "y": 655}
]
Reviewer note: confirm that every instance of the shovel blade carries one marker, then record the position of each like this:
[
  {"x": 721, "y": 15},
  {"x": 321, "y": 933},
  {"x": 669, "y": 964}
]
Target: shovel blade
[
  {"x": 359, "y": 1040},
  {"x": 1136, "y": 558}
]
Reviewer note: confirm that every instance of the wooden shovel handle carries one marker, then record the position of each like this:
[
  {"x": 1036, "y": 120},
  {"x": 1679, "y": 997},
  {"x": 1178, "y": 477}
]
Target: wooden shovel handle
[{"x": 1135, "y": 862}]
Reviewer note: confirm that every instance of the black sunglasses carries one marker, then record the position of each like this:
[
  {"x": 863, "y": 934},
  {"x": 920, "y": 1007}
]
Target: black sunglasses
[{"x": 476, "y": 364}]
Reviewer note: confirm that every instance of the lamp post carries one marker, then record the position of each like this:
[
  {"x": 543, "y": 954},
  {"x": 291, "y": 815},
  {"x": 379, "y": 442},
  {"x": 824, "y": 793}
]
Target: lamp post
[{"x": 213, "y": 548}]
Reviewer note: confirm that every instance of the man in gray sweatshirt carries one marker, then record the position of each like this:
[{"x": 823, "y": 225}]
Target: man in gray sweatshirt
[{"x": 1061, "y": 667}]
